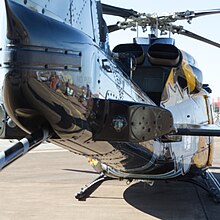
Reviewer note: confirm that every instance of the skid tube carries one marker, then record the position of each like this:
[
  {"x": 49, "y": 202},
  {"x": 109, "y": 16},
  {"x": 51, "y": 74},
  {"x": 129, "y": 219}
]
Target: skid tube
[
  {"x": 22, "y": 147},
  {"x": 208, "y": 182}
]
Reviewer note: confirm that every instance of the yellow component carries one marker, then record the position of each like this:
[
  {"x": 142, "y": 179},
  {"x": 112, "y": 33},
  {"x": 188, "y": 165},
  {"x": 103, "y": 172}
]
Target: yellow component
[
  {"x": 93, "y": 162},
  {"x": 204, "y": 155},
  {"x": 200, "y": 159},
  {"x": 211, "y": 151},
  {"x": 209, "y": 110},
  {"x": 96, "y": 164},
  {"x": 190, "y": 76},
  {"x": 211, "y": 121}
]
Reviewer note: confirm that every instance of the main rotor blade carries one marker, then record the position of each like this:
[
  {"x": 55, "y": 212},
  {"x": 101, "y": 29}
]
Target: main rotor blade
[
  {"x": 116, "y": 11},
  {"x": 187, "y": 15},
  {"x": 198, "y": 37},
  {"x": 206, "y": 12},
  {"x": 114, "y": 27}
]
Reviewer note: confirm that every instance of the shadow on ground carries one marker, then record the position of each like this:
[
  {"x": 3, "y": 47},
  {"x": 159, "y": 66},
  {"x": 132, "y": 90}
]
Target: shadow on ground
[{"x": 172, "y": 200}]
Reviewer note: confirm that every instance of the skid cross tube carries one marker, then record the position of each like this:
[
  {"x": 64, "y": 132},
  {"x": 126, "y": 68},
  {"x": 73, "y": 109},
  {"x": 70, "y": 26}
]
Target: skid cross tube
[
  {"x": 88, "y": 190},
  {"x": 22, "y": 147}
]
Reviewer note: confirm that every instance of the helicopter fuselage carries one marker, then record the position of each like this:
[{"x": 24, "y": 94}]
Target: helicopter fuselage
[{"x": 59, "y": 75}]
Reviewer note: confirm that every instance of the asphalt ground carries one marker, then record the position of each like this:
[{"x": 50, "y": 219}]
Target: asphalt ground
[{"x": 42, "y": 185}]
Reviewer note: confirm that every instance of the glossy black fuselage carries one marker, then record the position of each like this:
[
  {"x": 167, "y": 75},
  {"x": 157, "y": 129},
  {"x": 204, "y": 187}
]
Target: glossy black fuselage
[{"x": 54, "y": 72}]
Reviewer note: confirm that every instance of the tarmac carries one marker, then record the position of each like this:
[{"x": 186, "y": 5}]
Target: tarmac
[{"x": 42, "y": 185}]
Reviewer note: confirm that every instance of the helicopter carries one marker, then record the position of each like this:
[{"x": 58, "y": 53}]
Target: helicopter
[{"x": 138, "y": 112}]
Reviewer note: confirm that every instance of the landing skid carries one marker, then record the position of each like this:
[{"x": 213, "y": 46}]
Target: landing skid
[
  {"x": 88, "y": 190},
  {"x": 209, "y": 183},
  {"x": 212, "y": 184}
]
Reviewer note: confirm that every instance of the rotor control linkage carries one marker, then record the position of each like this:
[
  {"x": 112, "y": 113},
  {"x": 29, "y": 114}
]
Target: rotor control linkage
[
  {"x": 22, "y": 147},
  {"x": 88, "y": 190}
]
